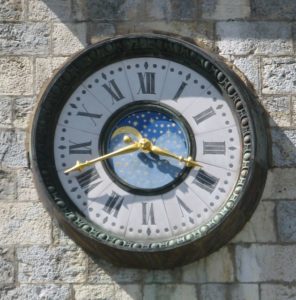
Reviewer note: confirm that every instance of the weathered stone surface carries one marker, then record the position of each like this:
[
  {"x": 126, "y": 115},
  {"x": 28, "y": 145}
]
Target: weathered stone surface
[
  {"x": 201, "y": 32},
  {"x": 242, "y": 38},
  {"x": 169, "y": 291},
  {"x": 26, "y": 190},
  {"x": 261, "y": 226},
  {"x": 249, "y": 66},
  {"x": 211, "y": 268},
  {"x": 225, "y": 9},
  {"x": 273, "y": 9},
  {"x": 108, "y": 10},
  {"x": 11, "y": 10},
  {"x": 22, "y": 110},
  {"x": 37, "y": 292},
  {"x": 59, "y": 237},
  {"x": 24, "y": 38},
  {"x": 56, "y": 264},
  {"x": 163, "y": 276},
  {"x": 294, "y": 111},
  {"x": 277, "y": 292},
  {"x": 7, "y": 267},
  {"x": 45, "y": 68},
  {"x": 286, "y": 221},
  {"x": 284, "y": 148},
  {"x": 24, "y": 223},
  {"x": 12, "y": 149},
  {"x": 7, "y": 185},
  {"x": 229, "y": 291},
  {"x": 280, "y": 184},
  {"x": 171, "y": 10},
  {"x": 100, "y": 271},
  {"x": 39, "y": 10},
  {"x": 93, "y": 292},
  {"x": 279, "y": 75},
  {"x": 128, "y": 292},
  {"x": 16, "y": 76},
  {"x": 265, "y": 263},
  {"x": 5, "y": 111},
  {"x": 279, "y": 110},
  {"x": 100, "y": 31},
  {"x": 68, "y": 38}
]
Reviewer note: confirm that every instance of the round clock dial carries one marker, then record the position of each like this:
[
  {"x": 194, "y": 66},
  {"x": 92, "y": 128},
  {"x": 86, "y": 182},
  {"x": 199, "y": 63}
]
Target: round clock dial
[{"x": 149, "y": 150}]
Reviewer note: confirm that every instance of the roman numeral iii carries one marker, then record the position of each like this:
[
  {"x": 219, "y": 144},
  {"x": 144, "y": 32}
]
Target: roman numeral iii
[{"x": 214, "y": 148}]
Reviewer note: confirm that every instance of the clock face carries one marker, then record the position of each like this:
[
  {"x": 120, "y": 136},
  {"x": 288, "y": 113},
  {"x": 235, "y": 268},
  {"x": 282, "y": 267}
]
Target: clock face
[{"x": 166, "y": 111}]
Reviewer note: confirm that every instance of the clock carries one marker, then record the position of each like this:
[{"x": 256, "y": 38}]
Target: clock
[{"x": 150, "y": 152}]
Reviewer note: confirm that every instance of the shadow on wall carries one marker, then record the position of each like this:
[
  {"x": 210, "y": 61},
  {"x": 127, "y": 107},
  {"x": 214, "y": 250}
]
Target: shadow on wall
[{"x": 241, "y": 42}]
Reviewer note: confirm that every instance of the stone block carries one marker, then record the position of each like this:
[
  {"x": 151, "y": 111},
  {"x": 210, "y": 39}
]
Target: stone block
[
  {"x": 273, "y": 9},
  {"x": 11, "y": 10},
  {"x": 229, "y": 291},
  {"x": 260, "y": 38},
  {"x": 249, "y": 66},
  {"x": 278, "y": 75},
  {"x": 7, "y": 267},
  {"x": 36, "y": 264},
  {"x": 286, "y": 221},
  {"x": 163, "y": 276},
  {"x": 218, "y": 267},
  {"x": 201, "y": 32},
  {"x": 100, "y": 271},
  {"x": 24, "y": 223},
  {"x": 284, "y": 148},
  {"x": 56, "y": 10},
  {"x": 7, "y": 185},
  {"x": 16, "y": 76},
  {"x": 261, "y": 226},
  {"x": 26, "y": 190},
  {"x": 108, "y": 10},
  {"x": 169, "y": 291},
  {"x": 5, "y": 111},
  {"x": 37, "y": 292},
  {"x": 24, "y": 38},
  {"x": 93, "y": 292},
  {"x": 22, "y": 111},
  {"x": 100, "y": 31},
  {"x": 59, "y": 237},
  {"x": 293, "y": 111},
  {"x": 68, "y": 38},
  {"x": 12, "y": 149},
  {"x": 279, "y": 110},
  {"x": 277, "y": 292},
  {"x": 280, "y": 184},
  {"x": 171, "y": 10},
  {"x": 225, "y": 9},
  {"x": 265, "y": 263},
  {"x": 45, "y": 68},
  {"x": 128, "y": 292}
]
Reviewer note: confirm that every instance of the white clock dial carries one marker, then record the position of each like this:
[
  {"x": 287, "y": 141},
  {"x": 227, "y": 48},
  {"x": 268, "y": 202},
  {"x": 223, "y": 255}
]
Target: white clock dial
[{"x": 176, "y": 210}]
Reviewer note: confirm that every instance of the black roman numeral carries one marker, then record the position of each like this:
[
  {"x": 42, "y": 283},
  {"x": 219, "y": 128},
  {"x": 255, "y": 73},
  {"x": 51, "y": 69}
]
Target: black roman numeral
[
  {"x": 82, "y": 148},
  {"x": 147, "y": 83},
  {"x": 113, "y": 90},
  {"x": 148, "y": 214},
  {"x": 86, "y": 113},
  {"x": 87, "y": 180},
  {"x": 185, "y": 210},
  {"x": 214, "y": 148},
  {"x": 206, "y": 181},
  {"x": 113, "y": 204},
  {"x": 204, "y": 115},
  {"x": 180, "y": 90}
]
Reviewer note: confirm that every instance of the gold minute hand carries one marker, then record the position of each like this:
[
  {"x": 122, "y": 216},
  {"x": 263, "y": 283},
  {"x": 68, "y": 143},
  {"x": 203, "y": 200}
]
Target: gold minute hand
[
  {"x": 189, "y": 162},
  {"x": 79, "y": 166}
]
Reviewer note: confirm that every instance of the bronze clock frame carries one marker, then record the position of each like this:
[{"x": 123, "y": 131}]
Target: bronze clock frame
[{"x": 184, "y": 248}]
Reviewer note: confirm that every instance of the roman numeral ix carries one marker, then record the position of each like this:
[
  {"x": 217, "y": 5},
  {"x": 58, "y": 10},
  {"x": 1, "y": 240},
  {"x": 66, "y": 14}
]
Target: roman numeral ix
[{"x": 80, "y": 148}]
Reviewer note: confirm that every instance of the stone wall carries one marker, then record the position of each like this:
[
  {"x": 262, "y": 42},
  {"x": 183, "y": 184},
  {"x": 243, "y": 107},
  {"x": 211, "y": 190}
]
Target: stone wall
[{"x": 37, "y": 261}]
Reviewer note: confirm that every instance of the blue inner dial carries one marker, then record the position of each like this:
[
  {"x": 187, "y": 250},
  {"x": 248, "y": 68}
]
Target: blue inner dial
[{"x": 148, "y": 170}]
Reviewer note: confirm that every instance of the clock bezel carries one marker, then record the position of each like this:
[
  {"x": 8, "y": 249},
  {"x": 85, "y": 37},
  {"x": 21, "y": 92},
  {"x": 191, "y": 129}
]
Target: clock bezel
[{"x": 199, "y": 242}]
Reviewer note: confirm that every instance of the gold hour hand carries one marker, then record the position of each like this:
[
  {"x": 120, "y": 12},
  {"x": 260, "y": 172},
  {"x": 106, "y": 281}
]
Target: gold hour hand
[
  {"x": 79, "y": 166},
  {"x": 189, "y": 162}
]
